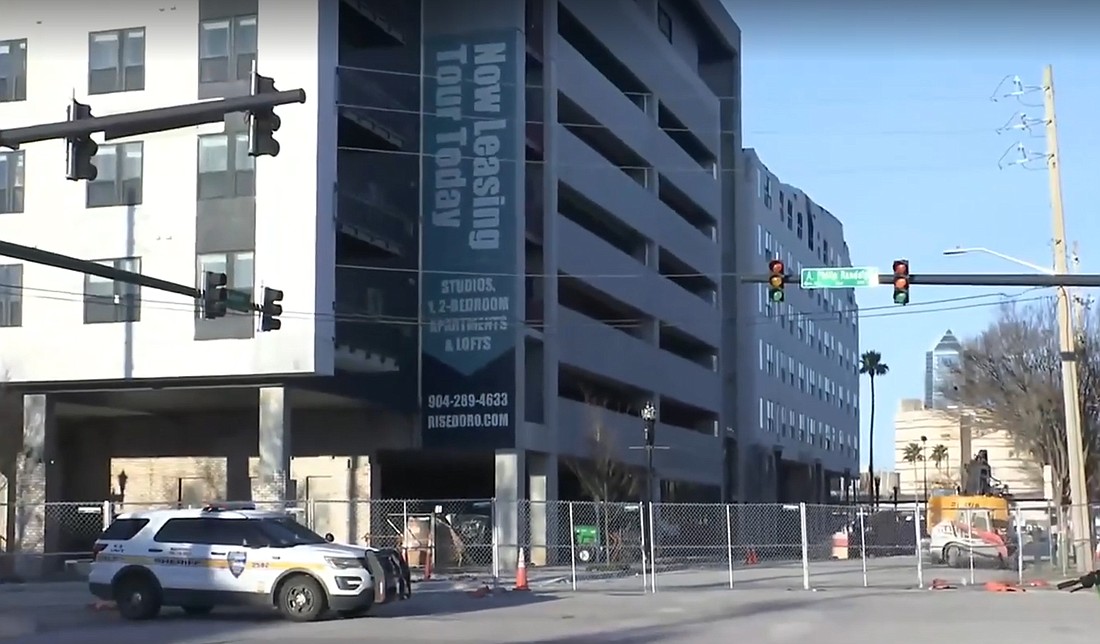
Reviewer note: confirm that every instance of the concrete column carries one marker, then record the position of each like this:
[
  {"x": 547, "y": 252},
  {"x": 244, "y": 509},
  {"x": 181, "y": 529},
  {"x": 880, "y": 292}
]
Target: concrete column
[
  {"x": 273, "y": 481},
  {"x": 509, "y": 509},
  {"x": 549, "y": 528},
  {"x": 37, "y": 471}
]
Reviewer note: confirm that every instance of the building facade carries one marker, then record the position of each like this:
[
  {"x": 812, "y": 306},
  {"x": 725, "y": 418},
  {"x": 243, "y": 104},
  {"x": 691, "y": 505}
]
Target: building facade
[
  {"x": 920, "y": 431},
  {"x": 498, "y": 226},
  {"x": 938, "y": 363},
  {"x": 797, "y": 370}
]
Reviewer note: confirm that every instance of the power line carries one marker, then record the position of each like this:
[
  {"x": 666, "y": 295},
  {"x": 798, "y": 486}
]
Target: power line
[
  {"x": 671, "y": 170},
  {"x": 678, "y": 130},
  {"x": 621, "y": 323},
  {"x": 913, "y": 98}
]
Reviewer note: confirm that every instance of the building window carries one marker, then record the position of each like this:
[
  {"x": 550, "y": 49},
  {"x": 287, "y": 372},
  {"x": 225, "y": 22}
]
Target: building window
[
  {"x": 227, "y": 49},
  {"x": 107, "y": 301},
  {"x": 239, "y": 272},
  {"x": 11, "y": 295},
  {"x": 119, "y": 180},
  {"x": 664, "y": 23},
  {"x": 225, "y": 167},
  {"x": 13, "y": 70},
  {"x": 116, "y": 61},
  {"x": 11, "y": 182}
]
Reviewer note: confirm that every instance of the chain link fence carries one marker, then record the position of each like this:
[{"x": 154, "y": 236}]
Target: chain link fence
[{"x": 624, "y": 547}]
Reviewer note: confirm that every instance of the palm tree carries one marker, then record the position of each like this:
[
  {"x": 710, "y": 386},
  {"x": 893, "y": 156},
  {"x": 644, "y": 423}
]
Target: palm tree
[
  {"x": 871, "y": 364},
  {"x": 912, "y": 455},
  {"x": 939, "y": 455}
]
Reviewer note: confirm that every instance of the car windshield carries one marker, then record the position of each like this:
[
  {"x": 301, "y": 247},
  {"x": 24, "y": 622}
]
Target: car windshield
[{"x": 287, "y": 533}]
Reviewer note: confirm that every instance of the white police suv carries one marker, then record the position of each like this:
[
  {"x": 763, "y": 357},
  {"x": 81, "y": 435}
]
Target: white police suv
[{"x": 231, "y": 555}]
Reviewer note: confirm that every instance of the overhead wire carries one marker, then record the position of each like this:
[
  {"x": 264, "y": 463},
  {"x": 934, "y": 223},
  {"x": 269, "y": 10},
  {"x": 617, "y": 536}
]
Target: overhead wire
[{"x": 933, "y": 306}]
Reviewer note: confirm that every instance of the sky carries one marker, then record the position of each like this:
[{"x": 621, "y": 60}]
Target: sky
[{"x": 882, "y": 114}]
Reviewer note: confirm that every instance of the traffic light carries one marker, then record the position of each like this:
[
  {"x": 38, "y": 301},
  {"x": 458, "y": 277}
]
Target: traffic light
[
  {"x": 777, "y": 280},
  {"x": 901, "y": 281},
  {"x": 214, "y": 295},
  {"x": 271, "y": 310},
  {"x": 262, "y": 124},
  {"x": 79, "y": 150}
]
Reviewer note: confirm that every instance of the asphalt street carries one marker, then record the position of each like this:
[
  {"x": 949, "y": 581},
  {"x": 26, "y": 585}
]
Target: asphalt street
[
  {"x": 690, "y": 606},
  {"x": 830, "y": 617}
]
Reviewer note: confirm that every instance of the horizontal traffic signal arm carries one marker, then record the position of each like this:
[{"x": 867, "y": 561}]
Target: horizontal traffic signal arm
[
  {"x": 160, "y": 119},
  {"x": 1080, "y": 280}
]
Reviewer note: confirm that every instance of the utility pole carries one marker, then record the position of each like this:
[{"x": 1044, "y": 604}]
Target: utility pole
[{"x": 1067, "y": 338}]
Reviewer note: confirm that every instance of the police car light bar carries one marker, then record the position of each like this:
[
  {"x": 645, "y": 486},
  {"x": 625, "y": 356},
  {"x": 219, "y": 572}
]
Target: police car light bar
[{"x": 228, "y": 507}]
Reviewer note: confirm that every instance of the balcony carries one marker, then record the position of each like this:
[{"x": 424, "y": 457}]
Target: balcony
[
  {"x": 597, "y": 348},
  {"x": 376, "y": 330},
  {"x": 364, "y": 102},
  {"x": 368, "y": 206},
  {"x": 584, "y": 170},
  {"x": 609, "y": 270},
  {"x": 381, "y": 30}
]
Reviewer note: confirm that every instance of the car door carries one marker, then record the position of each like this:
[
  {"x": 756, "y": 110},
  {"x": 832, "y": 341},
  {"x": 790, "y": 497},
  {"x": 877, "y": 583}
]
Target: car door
[
  {"x": 242, "y": 562},
  {"x": 175, "y": 557}
]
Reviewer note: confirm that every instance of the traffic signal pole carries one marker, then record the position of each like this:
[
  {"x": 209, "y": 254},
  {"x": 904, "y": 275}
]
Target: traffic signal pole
[
  {"x": 1078, "y": 280},
  {"x": 64, "y": 262},
  {"x": 160, "y": 119}
]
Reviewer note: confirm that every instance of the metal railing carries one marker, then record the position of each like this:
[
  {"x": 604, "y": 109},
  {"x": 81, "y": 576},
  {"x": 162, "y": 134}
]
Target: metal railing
[{"x": 616, "y": 546}]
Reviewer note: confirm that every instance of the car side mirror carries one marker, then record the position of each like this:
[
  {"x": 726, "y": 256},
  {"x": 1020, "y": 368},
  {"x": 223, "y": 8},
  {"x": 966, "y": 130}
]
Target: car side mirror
[{"x": 329, "y": 538}]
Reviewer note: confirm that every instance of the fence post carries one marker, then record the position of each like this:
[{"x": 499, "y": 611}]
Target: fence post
[
  {"x": 805, "y": 546},
  {"x": 1019, "y": 520},
  {"x": 573, "y": 548},
  {"x": 970, "y": 542},
  {"x": 863, "y": 545},
  {"x": 495, "y": 541},
  {"x": 729, "y": 540},
  {"x": 108, "y": 508},
  {"x": 652, "y": 551},
  {"x": 920, "y": 544},
  {"x": 644, "y": 541}
]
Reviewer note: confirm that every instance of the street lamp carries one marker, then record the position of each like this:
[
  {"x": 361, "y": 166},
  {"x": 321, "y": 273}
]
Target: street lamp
[
  {"x": 649, "y": 425},
  {"x": 951, "y": 252},
  {"x": 1067, "y": 340},
  {"x": 924, "y": 459}
]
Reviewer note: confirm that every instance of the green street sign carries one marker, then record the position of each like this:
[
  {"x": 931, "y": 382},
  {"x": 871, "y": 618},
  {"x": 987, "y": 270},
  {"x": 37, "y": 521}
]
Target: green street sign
[
  {"x": 848, "y": 277},
  {"x": 238, "y": 301}
]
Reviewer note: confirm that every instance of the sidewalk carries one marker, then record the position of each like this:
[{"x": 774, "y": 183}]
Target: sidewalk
[{"x": 44, "y": 594}]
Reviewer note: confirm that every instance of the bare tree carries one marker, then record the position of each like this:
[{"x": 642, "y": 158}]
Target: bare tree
[
  {"x": 602, "y": 476},
  {"x": 1009, "y": 377},
  {"x": 605, "y": 479}
]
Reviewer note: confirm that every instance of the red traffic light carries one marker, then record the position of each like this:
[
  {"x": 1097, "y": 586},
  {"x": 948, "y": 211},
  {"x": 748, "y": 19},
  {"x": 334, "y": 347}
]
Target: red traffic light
[
  {"x": 901, "y": 267},
  {"x": 776, "y": 267}
]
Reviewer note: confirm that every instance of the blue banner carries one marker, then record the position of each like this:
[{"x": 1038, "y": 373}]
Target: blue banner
[{"x": 469, "y": 255}]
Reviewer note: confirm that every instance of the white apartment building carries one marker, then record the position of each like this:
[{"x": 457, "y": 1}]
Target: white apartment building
[{"x": 798, "y": 383}]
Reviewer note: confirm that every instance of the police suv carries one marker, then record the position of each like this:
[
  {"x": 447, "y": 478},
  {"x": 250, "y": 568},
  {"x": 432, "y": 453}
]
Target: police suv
[{"x": 236, "y": 555}]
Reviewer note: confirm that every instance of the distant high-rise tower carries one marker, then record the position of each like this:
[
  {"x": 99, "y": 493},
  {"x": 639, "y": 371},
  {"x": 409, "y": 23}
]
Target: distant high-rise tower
[{"x": 938, "y": 362}]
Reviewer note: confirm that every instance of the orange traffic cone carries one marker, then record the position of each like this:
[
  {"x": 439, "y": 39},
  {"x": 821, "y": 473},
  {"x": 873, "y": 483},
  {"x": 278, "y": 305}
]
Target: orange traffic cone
[
  {"x": 750, "y": 557},
  {"x": 521, "y": 572}
]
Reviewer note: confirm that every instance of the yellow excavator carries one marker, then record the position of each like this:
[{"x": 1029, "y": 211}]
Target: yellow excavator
[{"x": 973, "y": 519}]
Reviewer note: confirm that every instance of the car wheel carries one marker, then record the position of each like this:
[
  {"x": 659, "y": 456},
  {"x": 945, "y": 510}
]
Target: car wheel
[
  {"x": 952, "y": 555},
  {"x": 197, "y": 611},
  {"x": 137, "y": 597},
  {"x": 302, "y": 599}
]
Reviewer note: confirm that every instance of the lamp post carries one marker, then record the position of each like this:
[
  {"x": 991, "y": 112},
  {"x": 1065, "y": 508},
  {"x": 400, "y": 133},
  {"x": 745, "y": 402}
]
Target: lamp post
[
  {"x": 924, "y": 459},
  {"x": 649, "y": 425},
  {"x": 1075, "y": 449}
]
